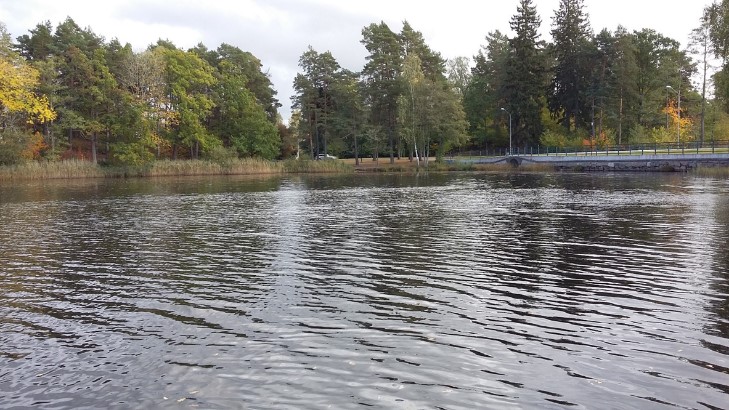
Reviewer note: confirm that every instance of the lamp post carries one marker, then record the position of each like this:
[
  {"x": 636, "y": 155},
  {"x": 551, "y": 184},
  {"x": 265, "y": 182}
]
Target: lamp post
[
  {"x": 678, "y": 123},
  {"x": 504, "y": 110}
]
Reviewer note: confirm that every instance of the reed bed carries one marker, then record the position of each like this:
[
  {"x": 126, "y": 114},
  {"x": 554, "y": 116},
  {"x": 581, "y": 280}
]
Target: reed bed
[
  {"x": 293, "y": 166},
  {"x": 70, "y": 169},
  {"x": 200, "y": 167},
  {"x": 35, "y": 170},
  {"x": 713, "y": 172}
]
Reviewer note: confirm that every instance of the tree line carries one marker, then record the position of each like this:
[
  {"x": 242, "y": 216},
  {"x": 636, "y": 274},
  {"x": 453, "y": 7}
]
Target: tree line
[
  {"x": 66, "y": 88},
  {"x": 68, "y": 93}
]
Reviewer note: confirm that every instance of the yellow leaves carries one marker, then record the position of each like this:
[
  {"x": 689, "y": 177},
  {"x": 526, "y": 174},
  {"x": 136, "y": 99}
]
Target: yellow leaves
[
  {"x": 17, "y": 83},
  {"x": 159, "y": 141},
  {"x": 685, "y": 123}
]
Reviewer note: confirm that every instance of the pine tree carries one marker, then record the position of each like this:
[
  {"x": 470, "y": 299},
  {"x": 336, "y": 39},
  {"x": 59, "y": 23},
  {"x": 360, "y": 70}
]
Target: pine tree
[
  {"x": 523, "y": 86},
  {"x": 568, "y": 92},
  {"x": 483, "y": 98},
  {"x": 381, "y": 75}
]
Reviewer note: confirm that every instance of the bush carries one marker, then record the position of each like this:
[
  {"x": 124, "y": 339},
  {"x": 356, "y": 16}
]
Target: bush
[
  {"x": 661, "y": 135},
  {"x": 17, "y": 146},
  {"x": 552, "y": 138},
  {"x": 224, "y": 157},
  {"x": 134, "y": 154},
  {"x": 639, "y": 135}
]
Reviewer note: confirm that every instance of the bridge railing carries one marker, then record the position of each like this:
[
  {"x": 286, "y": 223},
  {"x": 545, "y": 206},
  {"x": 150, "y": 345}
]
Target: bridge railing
[{"x": 689, "y": 147}]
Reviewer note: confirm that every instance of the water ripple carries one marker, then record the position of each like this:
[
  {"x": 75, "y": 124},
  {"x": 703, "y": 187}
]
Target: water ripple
[{"x": 472, "y": 291}]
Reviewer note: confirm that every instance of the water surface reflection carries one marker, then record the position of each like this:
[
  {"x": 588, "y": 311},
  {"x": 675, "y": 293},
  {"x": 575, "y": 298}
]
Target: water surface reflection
[{"x": 450, "y": 291}]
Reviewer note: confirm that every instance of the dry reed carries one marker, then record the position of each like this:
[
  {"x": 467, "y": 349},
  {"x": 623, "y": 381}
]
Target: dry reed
[
  {"x": 713, "y": 172},
  {"x": 248, "y": 166}
]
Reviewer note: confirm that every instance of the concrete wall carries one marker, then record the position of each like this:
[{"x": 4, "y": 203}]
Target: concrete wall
[{"x": 638, "y": 163}]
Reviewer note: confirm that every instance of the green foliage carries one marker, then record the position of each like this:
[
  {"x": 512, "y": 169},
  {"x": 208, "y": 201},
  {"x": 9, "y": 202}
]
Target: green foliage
[
  {"x": 459, "y": 74},
  {"x": 614, "y": 90},
  {"x": 717, "y": 15},
  {"x": 381, "y": 75},
  {"x": 660, "y": 63},
  {"x": 348, "y": 122},
  {"x": 483, "y": 99},
  {"x": 213, "y": 102},
  {"x": 38, "y": 45},
  {"x": 412, "y": 42},
  {"x": 661, "y": 135},
  {"x": 131, "y": 154},
  {"x": 571, "y": 34},
  {"x": 12, "y": 144},
  {"x": 189, "y": 78},
  {"x": 314, "y": 88},
  {"x": 257, "y": 82},
  {"x": 241, "y": 122},
  {"x": 551, "y": 138},
  {"x": 225, "y": 157},
  {"x": 525, "y": 77},
  {"x": 155, "y": 103},
  {"x": 639, "y": 134},
  {"x": 717, "y": 125}
]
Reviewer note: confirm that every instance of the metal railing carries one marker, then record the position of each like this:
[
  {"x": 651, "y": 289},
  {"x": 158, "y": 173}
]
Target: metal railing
[{"x": 691, "y": 147}]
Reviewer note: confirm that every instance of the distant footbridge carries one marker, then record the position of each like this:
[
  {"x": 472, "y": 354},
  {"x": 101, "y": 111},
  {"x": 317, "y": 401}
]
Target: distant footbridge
[{"x": 607, "y": 162}]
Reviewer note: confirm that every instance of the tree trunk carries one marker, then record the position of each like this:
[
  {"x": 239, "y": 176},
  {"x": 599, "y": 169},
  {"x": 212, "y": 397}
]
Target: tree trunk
[
  {"x": 602, "y": 113},
  {"x": 48, "y": 135},
  {"x": 93, "y": 147},
  {"x": 592, "y": 121},
  {"x": 314, "y": 135},
  {"x": 620, "y": 119},
  {"x": 391, "y": 137},
  {"x": 311, "y": 145},
  {"x": 390, "y": 134},
  {"x": 703, "y": 94},
  {"x": 417, "y": 158},
  {"x": 356, "y": 149}
]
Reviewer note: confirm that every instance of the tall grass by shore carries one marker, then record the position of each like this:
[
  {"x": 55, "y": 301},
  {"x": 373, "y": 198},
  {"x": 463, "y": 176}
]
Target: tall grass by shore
[
  {"x": 84, "y": 169},
  {"x": 35, "y": 170},
  {"x": 713, "y": 172}
]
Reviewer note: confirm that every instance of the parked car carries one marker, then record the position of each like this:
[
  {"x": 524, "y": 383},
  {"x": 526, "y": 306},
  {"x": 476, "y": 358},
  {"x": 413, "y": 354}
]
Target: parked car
[{"x": 325, "y": 157}]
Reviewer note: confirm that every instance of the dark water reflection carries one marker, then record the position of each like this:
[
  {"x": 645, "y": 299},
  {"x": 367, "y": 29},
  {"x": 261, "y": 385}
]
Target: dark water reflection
[{"x": 467, "y": 291}]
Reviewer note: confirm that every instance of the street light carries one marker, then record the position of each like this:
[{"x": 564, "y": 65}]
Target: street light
[
  {"x": 678, "y": 123},
  {"x": 504, "y": 110}
]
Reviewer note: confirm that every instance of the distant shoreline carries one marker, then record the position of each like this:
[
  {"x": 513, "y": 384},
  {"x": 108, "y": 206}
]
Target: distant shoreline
[{"x": 80, "y": 169}]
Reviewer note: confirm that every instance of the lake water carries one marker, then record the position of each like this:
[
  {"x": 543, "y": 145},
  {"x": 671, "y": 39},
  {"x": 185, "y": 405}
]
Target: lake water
[{"x": 455, "y": 291}]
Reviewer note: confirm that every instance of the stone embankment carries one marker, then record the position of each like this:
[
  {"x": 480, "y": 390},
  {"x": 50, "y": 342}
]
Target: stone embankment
[
  {"x": 607, "y": 163},
  {"x": 634, "y": 163}
]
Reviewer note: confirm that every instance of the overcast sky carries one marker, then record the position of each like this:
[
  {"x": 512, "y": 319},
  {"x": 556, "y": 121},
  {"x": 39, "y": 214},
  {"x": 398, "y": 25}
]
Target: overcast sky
[{"x": 278, "y": 31}]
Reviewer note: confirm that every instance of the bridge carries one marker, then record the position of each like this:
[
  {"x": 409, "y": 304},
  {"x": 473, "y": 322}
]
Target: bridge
[
  {"x": 650, "y": 162},
  {"x": 645, "y": 157}
]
